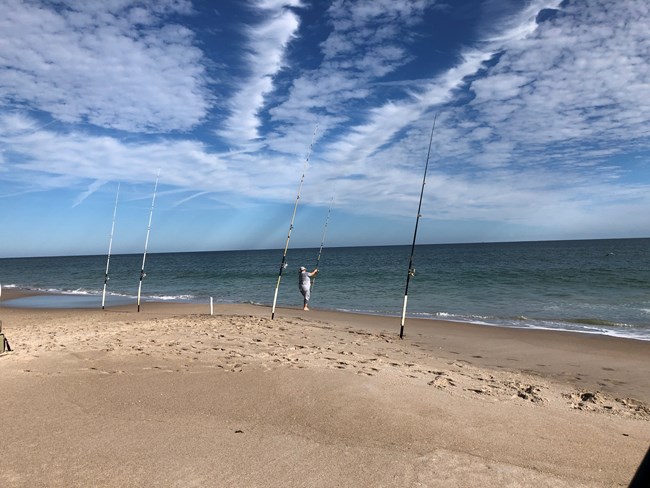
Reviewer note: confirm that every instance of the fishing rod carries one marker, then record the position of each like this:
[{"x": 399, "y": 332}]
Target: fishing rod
[
  {"x": 411, "y": 270},
  {"x": 320, "y": 251},
  {"x": 146, "y": 241},
  {"x": 283, "y": 264},
  {"x": 110, "y": 245}
]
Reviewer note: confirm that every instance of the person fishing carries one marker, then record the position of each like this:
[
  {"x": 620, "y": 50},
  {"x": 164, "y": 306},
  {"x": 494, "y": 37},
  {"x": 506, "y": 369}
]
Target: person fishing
[{"x": 304, "y": 284}]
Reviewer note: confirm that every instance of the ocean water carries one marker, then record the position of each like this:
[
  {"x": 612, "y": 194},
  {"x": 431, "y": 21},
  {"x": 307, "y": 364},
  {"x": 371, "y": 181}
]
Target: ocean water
[{"x": 591, "y": 286}]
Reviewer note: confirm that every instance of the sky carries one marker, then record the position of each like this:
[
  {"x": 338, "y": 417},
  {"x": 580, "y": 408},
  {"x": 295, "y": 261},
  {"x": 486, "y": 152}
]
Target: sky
[{"x": 541, "y": 113}]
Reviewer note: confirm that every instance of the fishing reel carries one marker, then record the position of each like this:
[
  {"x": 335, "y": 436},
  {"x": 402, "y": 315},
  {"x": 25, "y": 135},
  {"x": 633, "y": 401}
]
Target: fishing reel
[{"x": 412, "y": 272}]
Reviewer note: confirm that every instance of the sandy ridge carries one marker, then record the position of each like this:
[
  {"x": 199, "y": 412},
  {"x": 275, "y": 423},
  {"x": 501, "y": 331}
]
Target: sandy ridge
[{"x": 234, "y": 342}]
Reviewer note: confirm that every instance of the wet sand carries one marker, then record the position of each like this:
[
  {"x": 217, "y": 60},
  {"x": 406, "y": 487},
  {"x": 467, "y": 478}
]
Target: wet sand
[{"x": 173, "y": 396}]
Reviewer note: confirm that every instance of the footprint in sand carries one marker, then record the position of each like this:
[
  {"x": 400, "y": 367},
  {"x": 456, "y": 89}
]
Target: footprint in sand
[
  {"x": 364, "y": 372},
  {"x": 531, "y": 393},
  {"x": 477, "y": 390},
  {"x": 442, "y": 381}
]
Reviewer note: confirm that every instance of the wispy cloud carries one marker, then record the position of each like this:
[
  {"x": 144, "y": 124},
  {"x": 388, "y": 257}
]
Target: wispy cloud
[
  {"x": 578, "y": 81},
  {"x": 92, "y": 188},
  {"x": 80, "y": 156},
  {"x": 267, "y": 43},
  {"x": 368, "y": 40},
  {"x": 118, "y": 64}
]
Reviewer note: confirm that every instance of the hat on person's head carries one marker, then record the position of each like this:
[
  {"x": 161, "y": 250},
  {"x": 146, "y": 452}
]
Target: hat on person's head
[{"x": 302, "y": 268}]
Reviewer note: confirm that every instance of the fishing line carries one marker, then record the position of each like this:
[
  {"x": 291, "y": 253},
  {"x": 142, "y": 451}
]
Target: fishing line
[
  {"x": 411, "y": 270},
  {"x": 146, "y": 241},
  {"x": 283, "y": 264},
  {"x": 110, "y": 245}
]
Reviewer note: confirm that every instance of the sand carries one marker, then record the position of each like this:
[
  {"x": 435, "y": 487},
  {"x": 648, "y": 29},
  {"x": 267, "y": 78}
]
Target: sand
[{"x": 175, "y": 397}]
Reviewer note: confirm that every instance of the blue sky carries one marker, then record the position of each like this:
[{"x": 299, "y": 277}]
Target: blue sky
[{"x": 542, "y": 128}]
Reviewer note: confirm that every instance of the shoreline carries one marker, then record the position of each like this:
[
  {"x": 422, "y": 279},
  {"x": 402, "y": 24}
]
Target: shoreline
[
  {"x": 13, "y": 293},
  {"x": 477, "y": 344},
  {"x": 172, "y": 396}
]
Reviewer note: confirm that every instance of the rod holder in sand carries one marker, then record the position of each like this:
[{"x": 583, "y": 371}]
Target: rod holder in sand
[{"x": 4, "y": 343}]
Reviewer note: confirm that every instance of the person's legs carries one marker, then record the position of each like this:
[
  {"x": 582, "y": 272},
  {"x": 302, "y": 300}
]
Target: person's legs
[{"x": 305, "y": 294}]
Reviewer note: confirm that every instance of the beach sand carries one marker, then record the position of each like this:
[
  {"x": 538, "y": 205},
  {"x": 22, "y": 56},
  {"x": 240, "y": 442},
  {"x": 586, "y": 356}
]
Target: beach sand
[{"x": 175, "y": 397}]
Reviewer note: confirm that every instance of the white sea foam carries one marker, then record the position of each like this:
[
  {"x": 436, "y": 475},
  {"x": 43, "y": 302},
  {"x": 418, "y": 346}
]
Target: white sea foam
[{"x": 171, "y": 298}]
